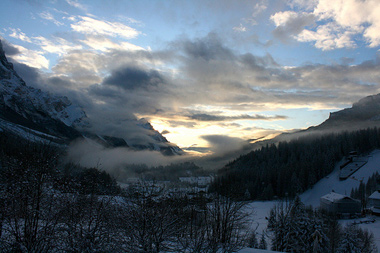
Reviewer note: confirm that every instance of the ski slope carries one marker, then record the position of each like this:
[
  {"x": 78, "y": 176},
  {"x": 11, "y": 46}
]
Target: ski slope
[{"x": 332, "y": 182}]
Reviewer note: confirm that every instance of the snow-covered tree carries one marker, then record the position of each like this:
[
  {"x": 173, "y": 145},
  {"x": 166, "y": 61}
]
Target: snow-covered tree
[
  {"x": 350, "y": 241},
  {"x": 252, "y": 241},
  {"x": 263, "y": 242},
  {"x": 295, "y": 228}
]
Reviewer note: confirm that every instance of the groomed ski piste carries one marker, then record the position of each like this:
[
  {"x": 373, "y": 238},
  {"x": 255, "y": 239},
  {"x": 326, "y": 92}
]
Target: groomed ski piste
[{"x": 312, "y": 197}]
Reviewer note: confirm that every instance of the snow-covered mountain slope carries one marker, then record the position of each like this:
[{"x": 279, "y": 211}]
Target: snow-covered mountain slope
[
  {"x": 35, "y": 114},
  {"x": 33, "y": 108}
]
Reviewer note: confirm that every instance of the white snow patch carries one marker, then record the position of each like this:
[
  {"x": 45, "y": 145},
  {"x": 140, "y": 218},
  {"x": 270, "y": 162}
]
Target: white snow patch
[
  {"x": 333, "y": 196},
  {"x": 375, "y": 195}
]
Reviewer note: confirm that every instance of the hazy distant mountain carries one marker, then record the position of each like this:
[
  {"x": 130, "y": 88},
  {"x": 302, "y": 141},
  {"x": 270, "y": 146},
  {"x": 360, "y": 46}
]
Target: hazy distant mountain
[
  {"x": 38, "y": 115},
  {"x": 364, "y": 113}
]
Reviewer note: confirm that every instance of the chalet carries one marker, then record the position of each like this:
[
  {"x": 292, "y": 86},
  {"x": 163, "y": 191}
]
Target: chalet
[
  {"x": 339, "y": 204},
  {"x": 374, "y": 202}
]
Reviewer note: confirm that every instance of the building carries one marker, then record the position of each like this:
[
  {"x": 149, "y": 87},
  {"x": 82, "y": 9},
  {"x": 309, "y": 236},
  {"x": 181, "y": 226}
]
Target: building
[
  {"x": 342, "y": 205},
  {"x": 374, "y": 202}
]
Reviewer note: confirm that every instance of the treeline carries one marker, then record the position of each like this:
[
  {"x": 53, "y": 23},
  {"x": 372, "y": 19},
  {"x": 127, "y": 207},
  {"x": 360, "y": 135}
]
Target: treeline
[
  {"x": 288, "y": 168},
  {"x": 293, "y": 227},
  {"x": 364, "y": 190},
  {"x": 49, "y": 207}
]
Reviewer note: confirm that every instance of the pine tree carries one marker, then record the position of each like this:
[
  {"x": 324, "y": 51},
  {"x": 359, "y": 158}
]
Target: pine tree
[
  {"x": 252, "y": 241},
  {"x": 350, "y": 241},
  {"x": 263, "y": 242}
]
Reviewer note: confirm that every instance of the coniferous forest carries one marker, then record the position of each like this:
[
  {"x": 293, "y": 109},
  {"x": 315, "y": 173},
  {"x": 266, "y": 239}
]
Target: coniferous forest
[{"x": 289, "y": 168}]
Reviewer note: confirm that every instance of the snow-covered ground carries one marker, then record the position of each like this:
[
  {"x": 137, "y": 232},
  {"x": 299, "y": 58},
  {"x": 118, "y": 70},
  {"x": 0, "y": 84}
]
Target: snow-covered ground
[
  {"x": 260, "y": 209},
  {"x": 332, "y": 182}
]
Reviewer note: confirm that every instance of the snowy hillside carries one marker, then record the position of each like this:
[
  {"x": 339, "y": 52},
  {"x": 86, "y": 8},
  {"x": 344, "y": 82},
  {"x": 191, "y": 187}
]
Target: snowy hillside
[
  {"x": 312, "y": 196},
  {"x": 332, "y": 182}
]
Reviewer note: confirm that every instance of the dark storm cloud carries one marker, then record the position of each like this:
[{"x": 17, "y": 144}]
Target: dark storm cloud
[
  {"x": 207, "y": 48},
  {"x": 9, "y": 49},
  {"x": 134, "y": 101},
  {"x": 131, "y": 78},
  {"x": 59, "y": 82},
  {"x": 29, "y": 74},
  {"x": 209, "y": 117}
]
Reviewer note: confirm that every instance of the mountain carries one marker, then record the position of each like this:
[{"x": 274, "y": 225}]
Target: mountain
[
  {"x": 27, "y": 111},
  {"x": 160, "y": 143},
  {"x": 364, "y": 113},
  {"x": 37, "y": 115}
]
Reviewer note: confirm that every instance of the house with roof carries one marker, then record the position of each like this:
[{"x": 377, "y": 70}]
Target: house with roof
[
  {"x": 374, "y": 202},
  {"x": 341, "y": 205}
]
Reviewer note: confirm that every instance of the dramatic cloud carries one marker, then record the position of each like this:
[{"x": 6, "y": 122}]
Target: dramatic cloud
[
  {"x": 9, "y": 49},
  {"x": 193, "y": 87},
  {"x": 212, "y": 84},
  {"x": 330, "y": 24},
  {"x": 30, "y": 75},
  {"x": 216, "y": 72},
  {"x": 131, "y": 78}
]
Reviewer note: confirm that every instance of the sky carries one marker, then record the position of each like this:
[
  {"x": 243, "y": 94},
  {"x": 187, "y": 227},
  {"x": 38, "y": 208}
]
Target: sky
[{"x": 204, "y": 73}]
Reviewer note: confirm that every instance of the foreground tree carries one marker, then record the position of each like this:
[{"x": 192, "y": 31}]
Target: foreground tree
[
  {"x": 226, "y": 223},
  {"x": 29, "y": 216},
  {"x": 295, "y": 228}
]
